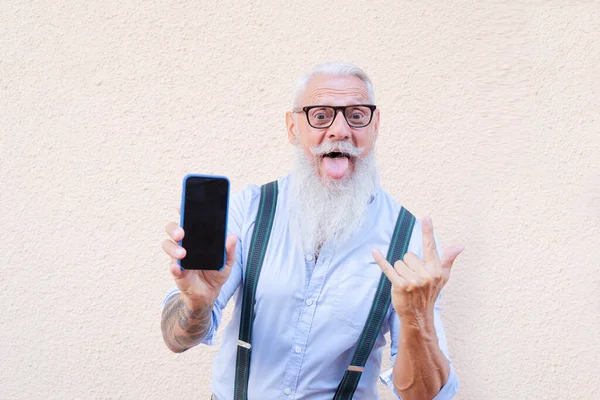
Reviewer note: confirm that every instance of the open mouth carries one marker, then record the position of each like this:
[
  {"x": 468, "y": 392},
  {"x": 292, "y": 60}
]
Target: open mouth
[{"x": 335, "y": 154}]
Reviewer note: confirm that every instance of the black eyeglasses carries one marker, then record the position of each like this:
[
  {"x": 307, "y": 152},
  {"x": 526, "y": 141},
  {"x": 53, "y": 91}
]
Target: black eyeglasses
[{"x": 321, "y": 117}]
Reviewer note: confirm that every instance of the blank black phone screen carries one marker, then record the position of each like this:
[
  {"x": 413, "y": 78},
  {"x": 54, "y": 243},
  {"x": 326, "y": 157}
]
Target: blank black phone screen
[{"x": 204, "y": 222}]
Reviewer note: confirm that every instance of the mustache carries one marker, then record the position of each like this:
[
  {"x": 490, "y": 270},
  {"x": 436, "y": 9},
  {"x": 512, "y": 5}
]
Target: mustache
[{"x": 346, "y": 147}]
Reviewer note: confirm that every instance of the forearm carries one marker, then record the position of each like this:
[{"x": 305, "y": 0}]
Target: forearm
[
  {"x": 184, "y": 327},
  {"x": 420, "y": 369}
]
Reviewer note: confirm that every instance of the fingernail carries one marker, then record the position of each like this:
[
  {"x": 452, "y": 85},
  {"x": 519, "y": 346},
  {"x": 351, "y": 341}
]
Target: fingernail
[{"x": 426, "y": 222}]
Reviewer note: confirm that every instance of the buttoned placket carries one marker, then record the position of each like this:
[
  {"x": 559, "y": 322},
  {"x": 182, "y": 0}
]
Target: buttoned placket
[{"x": 316, "y": 271}]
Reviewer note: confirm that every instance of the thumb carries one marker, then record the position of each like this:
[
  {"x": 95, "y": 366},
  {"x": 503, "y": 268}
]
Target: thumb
[
  {"x": 450, "y": 254},
  {"x": 230, "y": 244}
]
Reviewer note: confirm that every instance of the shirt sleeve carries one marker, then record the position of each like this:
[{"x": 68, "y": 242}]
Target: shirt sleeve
[
  {"x": 235, "y": 223},
  {"x": 450, "y": 388}
]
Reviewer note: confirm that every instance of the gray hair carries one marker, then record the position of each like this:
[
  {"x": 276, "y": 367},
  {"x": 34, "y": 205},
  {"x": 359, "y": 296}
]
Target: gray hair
[{"x": 336, "y": 69}]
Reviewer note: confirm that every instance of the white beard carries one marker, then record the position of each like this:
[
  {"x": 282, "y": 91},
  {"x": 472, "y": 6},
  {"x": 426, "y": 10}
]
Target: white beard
[{"x": 325, "y": 209}]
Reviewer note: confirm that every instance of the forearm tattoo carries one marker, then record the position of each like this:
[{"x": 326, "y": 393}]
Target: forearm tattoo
[{"x": 194, "y": 323}]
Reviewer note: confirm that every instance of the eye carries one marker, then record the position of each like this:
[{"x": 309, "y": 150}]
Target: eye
[
  {"x": 356, "y": 114},
  {"x": 319, "y": 114}
]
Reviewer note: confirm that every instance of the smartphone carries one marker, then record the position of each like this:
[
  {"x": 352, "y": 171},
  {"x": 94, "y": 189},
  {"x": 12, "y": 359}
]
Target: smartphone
[{"x": 204, "y": 205}]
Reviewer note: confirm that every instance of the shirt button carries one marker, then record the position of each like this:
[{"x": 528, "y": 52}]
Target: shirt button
[
  {"x": 309, "y": 257},
  {"x": 287, "y": 391},
  {"x": 298, "y": 349},
  {"x": 309, "y": 302}
]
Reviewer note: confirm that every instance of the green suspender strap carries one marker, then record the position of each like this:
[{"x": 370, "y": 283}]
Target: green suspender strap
[
  {"x": 256, "y": 256},
  {"x": 381, "y": 302}
]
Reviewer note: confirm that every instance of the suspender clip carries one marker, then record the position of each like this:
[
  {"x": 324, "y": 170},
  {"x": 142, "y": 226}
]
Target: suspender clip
[{"x": 356, "y": 368}]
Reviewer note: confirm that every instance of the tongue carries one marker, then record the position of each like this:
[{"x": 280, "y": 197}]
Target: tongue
[{"x": 336, "y": 168}]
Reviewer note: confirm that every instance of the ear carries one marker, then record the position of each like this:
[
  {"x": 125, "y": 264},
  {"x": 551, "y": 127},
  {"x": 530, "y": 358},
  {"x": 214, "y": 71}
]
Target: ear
[
  {"x": 375, "y": 123},
  {"x": 292, "y": 129}
]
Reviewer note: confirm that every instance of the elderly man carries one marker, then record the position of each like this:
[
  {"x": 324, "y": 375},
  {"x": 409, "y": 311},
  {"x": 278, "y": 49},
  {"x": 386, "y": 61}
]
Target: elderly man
[{"x": 321, "y": 270}]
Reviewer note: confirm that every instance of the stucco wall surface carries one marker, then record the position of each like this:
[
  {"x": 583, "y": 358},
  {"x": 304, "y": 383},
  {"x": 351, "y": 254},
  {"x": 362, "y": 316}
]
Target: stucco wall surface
[{"x": 490, "y": 123}]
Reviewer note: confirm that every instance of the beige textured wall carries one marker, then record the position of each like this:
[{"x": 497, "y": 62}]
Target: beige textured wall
[{"x": 490, "y": 122}]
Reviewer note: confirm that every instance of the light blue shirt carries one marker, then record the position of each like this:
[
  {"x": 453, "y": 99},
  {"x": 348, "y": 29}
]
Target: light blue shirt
[{"x": 309, "y": 313}]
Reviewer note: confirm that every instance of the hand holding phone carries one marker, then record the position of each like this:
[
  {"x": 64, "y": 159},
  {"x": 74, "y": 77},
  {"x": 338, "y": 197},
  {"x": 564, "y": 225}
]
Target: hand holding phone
[{"x": 197, "y": 285}]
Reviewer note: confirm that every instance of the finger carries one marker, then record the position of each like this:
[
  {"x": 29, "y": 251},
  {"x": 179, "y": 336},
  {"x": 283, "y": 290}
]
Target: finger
[
  {"x": 230, "y": 244},
  {"x": 387, "y": 268},
  {"x": 173, "y": 249},
  {"x": 430, "y": 254},
  {"x": 409, "y": 276},
  {"x": 417, "y": 265},
  {"x": 174, "y": 231},
  {"x": 450, "y": 254},
  {"x": 176, "y": 270}
]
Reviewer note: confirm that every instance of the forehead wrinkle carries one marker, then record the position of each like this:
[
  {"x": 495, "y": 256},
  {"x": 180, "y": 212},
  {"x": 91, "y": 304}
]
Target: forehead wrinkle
[{"x": 329, "y": 93}]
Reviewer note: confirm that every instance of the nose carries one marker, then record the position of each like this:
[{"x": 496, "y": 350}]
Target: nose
[{"x": 339, "y": 130}]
